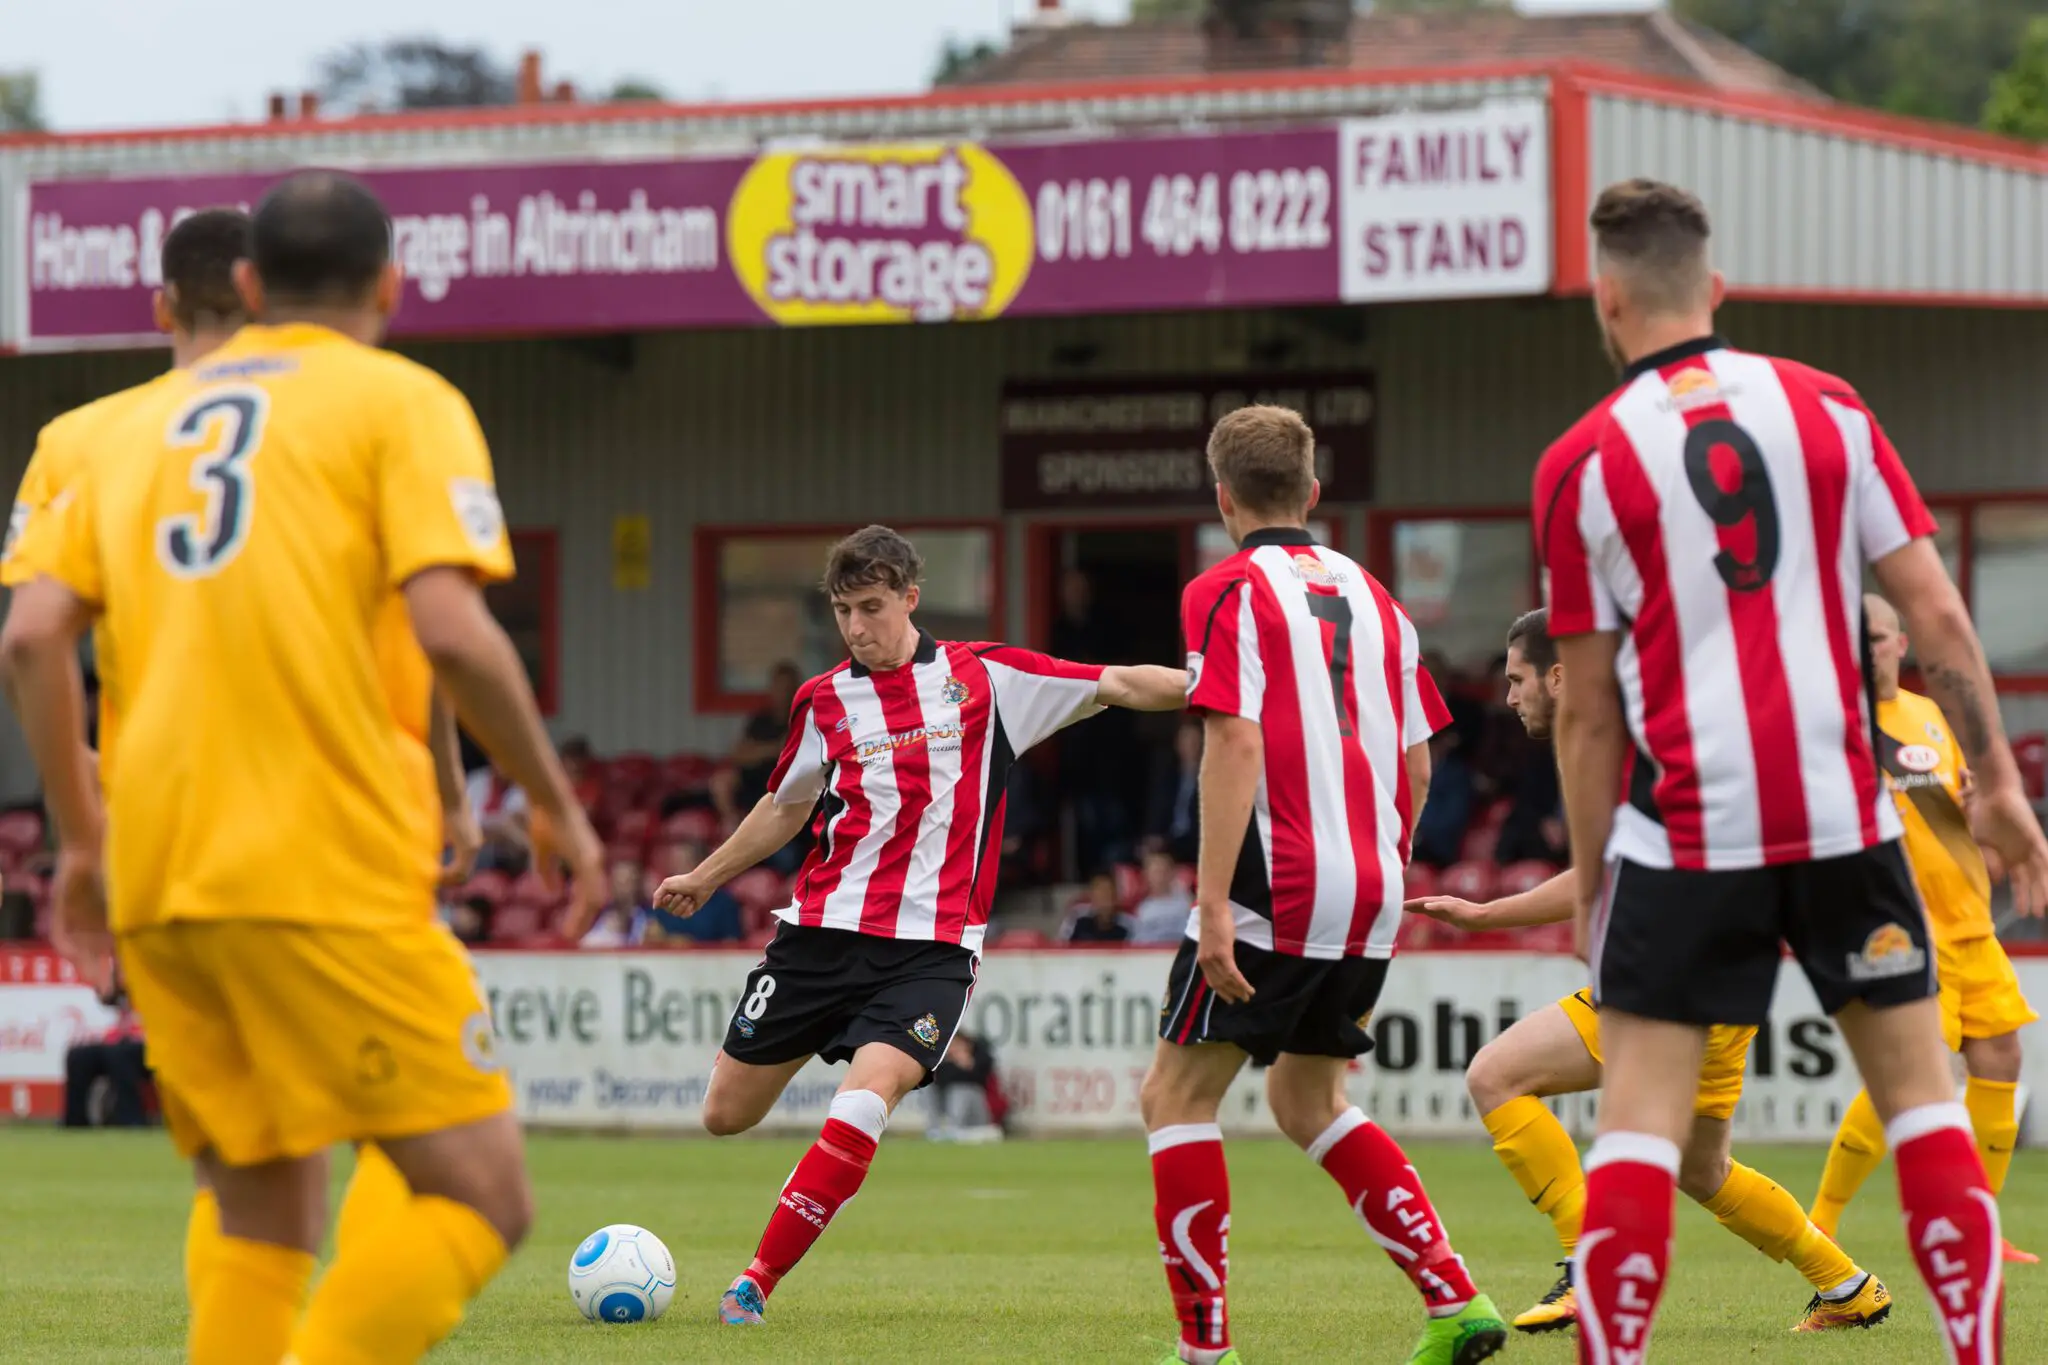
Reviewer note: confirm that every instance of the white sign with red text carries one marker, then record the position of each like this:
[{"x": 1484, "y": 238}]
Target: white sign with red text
[
  {"x": 1446, "y": 204},
  {"x": 44, "y": 1008}
]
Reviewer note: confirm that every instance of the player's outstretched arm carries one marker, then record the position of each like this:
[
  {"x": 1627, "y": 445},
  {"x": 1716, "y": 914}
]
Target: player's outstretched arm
[
  {"x": 767, "y": 827},
  {"x": 1592, "y": 743},
  {"x": 478, "y": 669},
  {"x": 1959, "y": 679},
  {"x": 1143, "y": 687},
  {"x": 1550, "y": 903}
]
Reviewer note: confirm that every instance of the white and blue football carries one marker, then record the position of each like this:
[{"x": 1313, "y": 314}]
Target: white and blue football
[{"x": 622, "y": 1274}]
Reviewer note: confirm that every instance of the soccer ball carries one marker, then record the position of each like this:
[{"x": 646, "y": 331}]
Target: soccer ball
[{"x": 622, "y": 1274}]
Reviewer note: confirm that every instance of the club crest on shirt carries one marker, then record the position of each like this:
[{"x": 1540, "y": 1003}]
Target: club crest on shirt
[
  {"x": 954, "y": 693},
  {"x": 926, "y": 1030},
  {"x": 1694, "y": 387},
  {"x": 1309, "y": 569},
  {"x": 480, "y": 1042},
  {"x": 476, "y": 508},
  {"x": 1933, "y": 733},
  {"x": 1889, "y": 951}
]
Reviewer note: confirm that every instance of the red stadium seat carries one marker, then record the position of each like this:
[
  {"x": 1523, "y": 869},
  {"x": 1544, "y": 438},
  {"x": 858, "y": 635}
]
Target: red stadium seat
[
  {"x": 1130, "y": 885},
  {"x": 491, "y": 886},
  {"x": 633, "y": 827},
  {"x": 21, "y": 833},
  {"x": 1546, "y": 938},
  {"x": 1423, "y": 880},
  {"x": 1186, "y": 878},
  {"x": 759, "y": 937},
  {"x": 1024, "y": 938},
  {"x": 1470, "y": 880},
  {"x": 762, "y": 888},
  {"x": 687, "y": 773},
  {"x": 1495, "y": 815},
  {"x": 700, "y": 826},
  {"x": 1516, "y": 878},
  {"x": 516, "y": 921},
  {"x": 2031, "y": 752},
  {"x": 529, "y": 890},
  {"x": 1479, "y": 844}
]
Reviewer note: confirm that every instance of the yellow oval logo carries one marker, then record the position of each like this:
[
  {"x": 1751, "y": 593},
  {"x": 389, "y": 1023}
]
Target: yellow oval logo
[{"x": 913, "y": 233}]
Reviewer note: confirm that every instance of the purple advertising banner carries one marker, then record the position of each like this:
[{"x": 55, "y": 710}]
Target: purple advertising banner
[{"x": 920, "y": 232}]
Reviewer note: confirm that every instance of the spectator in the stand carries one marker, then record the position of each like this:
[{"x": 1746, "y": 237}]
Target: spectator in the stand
[
  {"x": 967, "y": 1095},
  {"x": 500, "y": 809},
  {"x": 1098, "y": 919},
  {"x": 623, "y": 920},
  {"x": 577, "y": 762},
  {"x": 1174, "y": 812},
  {"x": 717, "y": 920},
  {"x": 739, "y": 786},
  {"x": 1025, "y": 825},
  {"x": 1534, "y": 829},
  {"x": 469, "y": 919},
  {"x": 1453, "y": 798},
  {"x": 1101, "y": 770},
  {"x": 1162, "y": 916},
  {"x": 104, "y": 1076}
]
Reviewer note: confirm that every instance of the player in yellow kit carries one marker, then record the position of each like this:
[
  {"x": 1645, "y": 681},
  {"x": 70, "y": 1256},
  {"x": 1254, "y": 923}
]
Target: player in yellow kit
[
  {"x": 1557, "y": 1051},
  {"x": 285, "y": 547},
  {"x": 1982, "y": 1009}
]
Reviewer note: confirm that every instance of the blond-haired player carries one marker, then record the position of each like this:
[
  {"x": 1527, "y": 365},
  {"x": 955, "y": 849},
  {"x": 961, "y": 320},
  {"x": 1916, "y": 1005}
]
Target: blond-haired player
[
  {"x": 1982, "y": 1009},
  {"x": 284, "y": 549},
  {"x": 1557, "y": 1051}
]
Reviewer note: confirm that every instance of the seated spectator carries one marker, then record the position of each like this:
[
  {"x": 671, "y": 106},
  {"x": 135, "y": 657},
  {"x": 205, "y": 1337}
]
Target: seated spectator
[
  {"x": 583, "y": 780},
  {"x": 500, "y": 810},
  {"x": 1174, "y": 813},
  {"x": 622, "y": 921},
  {"x": 1098, "y": 919},
  {"x": 967, "y": 1100},
  {"x": 469, "y": 919},
  {"x": 1534, "y": 829},
  {"x": 104, "y": 1076},
  {"x": 1024, "y": 858},
  {"x": 718, "y": 920},
  {"x": 1162, "y": 917},
  {"x": 739, "y": 786},
  {"x": 1453, "y": 800}
]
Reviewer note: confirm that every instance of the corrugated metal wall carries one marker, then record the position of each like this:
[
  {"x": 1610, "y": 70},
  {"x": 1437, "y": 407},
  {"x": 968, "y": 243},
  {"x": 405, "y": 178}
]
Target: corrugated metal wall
[
  {"x": 836, "y": 426},
  {"x": 1806, "y": 211}
]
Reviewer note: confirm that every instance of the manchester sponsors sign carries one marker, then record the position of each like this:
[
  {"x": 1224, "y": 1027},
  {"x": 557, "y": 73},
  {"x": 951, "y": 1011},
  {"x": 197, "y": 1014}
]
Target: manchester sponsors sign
[
  {"x": 1421, "y": 205},
  {"x": 1144, "y": 442}
]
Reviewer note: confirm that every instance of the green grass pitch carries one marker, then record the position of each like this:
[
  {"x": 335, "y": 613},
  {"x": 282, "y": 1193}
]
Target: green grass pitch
[{"x": 1038, "y": 1251}]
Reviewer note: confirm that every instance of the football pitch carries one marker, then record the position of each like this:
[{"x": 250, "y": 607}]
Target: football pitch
[{"x": 1028, "y": 1251}]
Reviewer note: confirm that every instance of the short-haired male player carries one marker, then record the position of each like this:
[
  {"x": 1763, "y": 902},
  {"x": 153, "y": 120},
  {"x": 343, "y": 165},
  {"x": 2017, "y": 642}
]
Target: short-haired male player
[
  {"x": 1705, "y": 530},
  {"x": 909, "y": 745},
  {"x": 1982, "y": 1009},
  {"x": 1317, "y": 715},
  {"x": 199, "y": 309},
  {"x": 284, "y": 547},
  {"x": 1556, "y": 1051}
]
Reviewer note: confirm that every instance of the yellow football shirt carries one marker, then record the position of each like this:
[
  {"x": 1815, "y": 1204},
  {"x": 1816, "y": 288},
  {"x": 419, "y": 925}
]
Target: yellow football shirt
[
  {"x": 1927, "y": 775},
  {"x": 245, "y": 534},
  {"x": 61, "y": 448}
]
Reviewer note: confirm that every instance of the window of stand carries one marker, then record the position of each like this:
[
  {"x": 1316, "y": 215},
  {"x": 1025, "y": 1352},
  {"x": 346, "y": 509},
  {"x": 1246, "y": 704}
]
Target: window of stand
[
  {"x": 1463, "y": 575},
  {"x": 758, "y": 601}
]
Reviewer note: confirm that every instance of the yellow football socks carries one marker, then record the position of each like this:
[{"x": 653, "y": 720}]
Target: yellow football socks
[
  {"x": 400, "y": 1287},
  {"x": 1996, "y": 1125},
  {"x": 1858, "y": 1149},
  {"x": 202, "y": 1235},
  {"x": 1544, "y": 1161},
  {"x": 249, "y": 1297},
  {"x": 375, "y": 1192},
  {"x": 1762, "y": 1213}
]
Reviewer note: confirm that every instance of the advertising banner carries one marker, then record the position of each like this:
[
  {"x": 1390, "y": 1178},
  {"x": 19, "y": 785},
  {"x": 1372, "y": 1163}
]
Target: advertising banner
[
  {"x": 1419, "y": 205},
  {"x": 44, "y": 1009},
  {"x": 601, "y": 1040}
]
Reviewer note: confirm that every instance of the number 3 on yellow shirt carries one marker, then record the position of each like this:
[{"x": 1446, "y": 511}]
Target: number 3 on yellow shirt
[{"x": 200, "y": 546}]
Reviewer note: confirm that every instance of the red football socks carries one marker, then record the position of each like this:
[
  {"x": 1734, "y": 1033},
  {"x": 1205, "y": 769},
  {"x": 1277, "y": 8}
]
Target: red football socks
[
  {"x": 1624, "y": 1252},
  {"x": 1387, "y": 1195},
  {"x": 1952, "y": 1228},
  {"x": 1191, "y": 1192},
  {"x": 829, "y": 1175}
]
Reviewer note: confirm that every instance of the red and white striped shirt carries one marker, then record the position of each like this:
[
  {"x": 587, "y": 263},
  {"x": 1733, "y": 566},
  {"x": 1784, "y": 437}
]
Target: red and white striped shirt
[
  {"x": 1718, "y": 510},
  {"x": 913, "y": 764},
  {"x": 1304, "y": 642}
]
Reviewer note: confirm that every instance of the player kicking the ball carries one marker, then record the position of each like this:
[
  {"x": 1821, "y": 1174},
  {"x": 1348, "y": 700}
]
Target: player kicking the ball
[
  {"x": 909, "y": 743},
  {"x": 1556, "y": 1051},
  {"x": 1317, "y": 717},
  {"x": 1982, "y": 1009}
]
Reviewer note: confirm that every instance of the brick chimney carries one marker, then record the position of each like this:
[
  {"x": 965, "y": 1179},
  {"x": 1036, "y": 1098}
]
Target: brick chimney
[
  {"x": 529, "y": 78},
  {"x": 277, "y": 109},
  {"x": 309, "y": 104},
  {"x": 1267, "y": 35}
]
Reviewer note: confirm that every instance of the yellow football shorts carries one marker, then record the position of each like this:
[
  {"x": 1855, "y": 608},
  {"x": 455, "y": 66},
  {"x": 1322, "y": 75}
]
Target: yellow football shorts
[
  {"x": 275, "y": 1040},
  {"x": 1980, "y": 992},
  {"x": 1720, "y": 1075}
]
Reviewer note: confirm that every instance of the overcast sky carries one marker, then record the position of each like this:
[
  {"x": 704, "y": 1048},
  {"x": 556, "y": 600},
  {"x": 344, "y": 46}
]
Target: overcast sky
[{"x": 124, "y": 64}]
